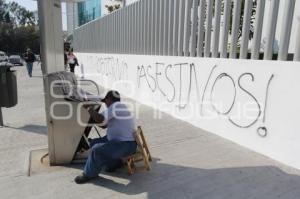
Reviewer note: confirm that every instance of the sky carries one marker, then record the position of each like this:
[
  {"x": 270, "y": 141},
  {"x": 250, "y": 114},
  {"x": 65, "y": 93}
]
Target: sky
[
  {"x": 29, "y": 4},
  {"x": 32, "y": 6}
]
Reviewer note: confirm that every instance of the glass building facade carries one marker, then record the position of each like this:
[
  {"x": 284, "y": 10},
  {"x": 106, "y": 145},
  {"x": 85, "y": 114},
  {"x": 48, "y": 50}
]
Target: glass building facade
[{"x": 88, "y": 11}]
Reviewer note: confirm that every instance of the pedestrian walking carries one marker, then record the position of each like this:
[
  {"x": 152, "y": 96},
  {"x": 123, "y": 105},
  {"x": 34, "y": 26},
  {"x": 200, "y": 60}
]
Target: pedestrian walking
[
  {"x": 72, "y": 61},
  {"x": 29, "y": 59}
]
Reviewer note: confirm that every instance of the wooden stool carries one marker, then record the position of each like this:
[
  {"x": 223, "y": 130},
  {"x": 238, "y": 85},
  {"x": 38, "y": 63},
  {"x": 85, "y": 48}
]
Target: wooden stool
[{"x": 142, "y": 154}]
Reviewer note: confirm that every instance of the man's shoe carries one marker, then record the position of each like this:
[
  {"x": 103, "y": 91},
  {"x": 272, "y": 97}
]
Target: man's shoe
[{"x": 81, "y": 179}]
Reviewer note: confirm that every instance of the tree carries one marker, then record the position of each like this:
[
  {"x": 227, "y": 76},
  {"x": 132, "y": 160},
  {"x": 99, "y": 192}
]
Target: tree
[
  {"x": 18, "y": 29},
  {"x": 123, "y": 2},
  {"x": 20, "y": 15},
  {"x": 253, "y": 12},
  {"x": 111, "y": 8},
  {"x": 4, "y": 14},
  {"x": 14, "y": 13}
]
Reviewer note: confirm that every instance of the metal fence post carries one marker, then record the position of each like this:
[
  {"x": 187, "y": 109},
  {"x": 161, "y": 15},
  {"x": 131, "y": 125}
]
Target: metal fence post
[
  {"x": 286, "y": 30},
  {"x": 209, "y": 13},
  {"x": 271, "y": 29},
  {"x": 246, "y": 29},
  {"x": 260, "y": 10},
  {"x": 297, "y": 50},
  {"x": 194, "y": 28},
  {"x": 201, "y": 28},
  {"x": 166, "y": 27},
  {"x": 216, "y": 28},
  {"x": 1, "y": 117},
  {"x": 224, "y": 37},
  {"x": 175, "y": 27},
  {"x": 235, "y": 28},
  {"x": 171, "y": 25},
  {"x": 161, "y": 27},
  {"x": 187, "y": 28},
  {"x": 181, "y": 27},
  {"x": 152, "y": 27},
  {"x": 157, "y": 22}
]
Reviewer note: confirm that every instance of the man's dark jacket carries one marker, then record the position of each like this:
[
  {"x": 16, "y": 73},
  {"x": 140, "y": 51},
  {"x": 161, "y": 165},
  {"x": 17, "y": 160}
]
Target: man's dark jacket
[{"x": 29, "y": 57}]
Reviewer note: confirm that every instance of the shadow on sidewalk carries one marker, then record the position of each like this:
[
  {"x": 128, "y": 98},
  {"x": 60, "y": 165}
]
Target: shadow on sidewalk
[{"x": 174, "y": 181}]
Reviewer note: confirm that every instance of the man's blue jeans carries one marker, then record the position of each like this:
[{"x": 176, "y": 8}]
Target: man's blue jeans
[
  {"x": 106, "y": 153},
  {"x": 29, "y": 66}
]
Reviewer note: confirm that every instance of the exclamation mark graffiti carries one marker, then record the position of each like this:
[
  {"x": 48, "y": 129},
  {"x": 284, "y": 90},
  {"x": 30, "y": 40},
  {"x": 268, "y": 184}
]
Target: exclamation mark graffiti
[{"x": 263, "y": 131}]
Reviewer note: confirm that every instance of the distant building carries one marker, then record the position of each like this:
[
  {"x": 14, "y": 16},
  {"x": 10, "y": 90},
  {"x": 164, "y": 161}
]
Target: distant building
[
  {"x": 81, "y": 13},
  {"x": 88, "y": 11}
]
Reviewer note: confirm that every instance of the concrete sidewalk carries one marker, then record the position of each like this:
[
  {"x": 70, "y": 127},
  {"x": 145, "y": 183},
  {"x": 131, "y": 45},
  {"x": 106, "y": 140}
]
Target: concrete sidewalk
[{"x": 188, "y": 162}]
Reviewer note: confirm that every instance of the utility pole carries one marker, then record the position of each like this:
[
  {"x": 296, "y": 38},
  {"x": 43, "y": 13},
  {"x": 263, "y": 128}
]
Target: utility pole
[{"x": 52, "y": 51}]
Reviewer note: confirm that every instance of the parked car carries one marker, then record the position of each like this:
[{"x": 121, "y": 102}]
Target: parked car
[
  {"x": 16, "y": 60},
  {"x": 3, "y": 57}
]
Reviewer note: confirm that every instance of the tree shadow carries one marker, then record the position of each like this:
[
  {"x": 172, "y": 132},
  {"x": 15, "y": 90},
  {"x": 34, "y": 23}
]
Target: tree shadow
[
  {"x": 31, "y": 128},
  {"x": 175, "y": 181}
]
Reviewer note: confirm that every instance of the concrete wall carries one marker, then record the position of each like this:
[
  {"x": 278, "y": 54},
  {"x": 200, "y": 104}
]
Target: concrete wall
[{"x": 253, "y": 103}]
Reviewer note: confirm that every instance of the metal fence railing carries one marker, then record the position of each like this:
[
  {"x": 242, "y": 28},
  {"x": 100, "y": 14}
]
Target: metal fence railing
[{"x": 203, "y": 28}]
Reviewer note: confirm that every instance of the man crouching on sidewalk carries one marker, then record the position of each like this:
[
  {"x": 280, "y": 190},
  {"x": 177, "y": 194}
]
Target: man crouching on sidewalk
[{"x": 119, "y": 140}]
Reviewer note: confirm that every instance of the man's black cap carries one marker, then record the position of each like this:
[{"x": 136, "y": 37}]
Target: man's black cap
[{"x": 113, "y": 95}]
